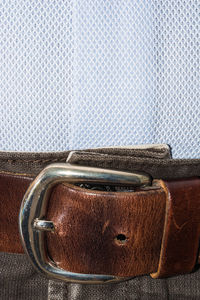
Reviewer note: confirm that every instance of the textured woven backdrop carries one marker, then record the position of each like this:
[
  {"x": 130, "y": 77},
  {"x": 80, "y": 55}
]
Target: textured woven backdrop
[{"x": 89, "y": 73}]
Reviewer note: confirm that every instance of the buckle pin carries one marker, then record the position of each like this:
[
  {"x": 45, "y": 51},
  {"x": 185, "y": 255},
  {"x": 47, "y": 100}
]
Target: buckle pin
[{"x": 43, "y": 225}]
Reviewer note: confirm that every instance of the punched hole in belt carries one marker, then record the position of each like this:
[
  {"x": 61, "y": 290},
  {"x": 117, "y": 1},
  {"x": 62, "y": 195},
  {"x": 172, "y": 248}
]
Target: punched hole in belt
[{"x": 120, "y": 239}]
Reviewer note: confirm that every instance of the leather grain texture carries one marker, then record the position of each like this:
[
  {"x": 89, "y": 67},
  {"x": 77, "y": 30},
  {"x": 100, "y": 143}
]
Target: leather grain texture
[
  {"x": 12, "y": 190},
  {"x": 116, "y": 233},
  {"x": 182, "y": 228}
]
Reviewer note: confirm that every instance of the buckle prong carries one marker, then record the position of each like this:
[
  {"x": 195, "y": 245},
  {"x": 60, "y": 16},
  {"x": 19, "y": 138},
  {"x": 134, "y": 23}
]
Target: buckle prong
[{"x": 43, "y": 225}]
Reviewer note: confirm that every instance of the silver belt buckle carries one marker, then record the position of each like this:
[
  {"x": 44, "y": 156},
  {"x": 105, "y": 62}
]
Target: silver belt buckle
[{"x": 32, "y": 221}]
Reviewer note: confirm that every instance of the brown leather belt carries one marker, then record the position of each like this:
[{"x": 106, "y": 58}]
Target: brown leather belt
[{"x": 146, "y": 230}]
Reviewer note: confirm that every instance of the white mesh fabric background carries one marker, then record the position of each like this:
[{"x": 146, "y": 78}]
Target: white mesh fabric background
[{"x": 89, "y": 73}]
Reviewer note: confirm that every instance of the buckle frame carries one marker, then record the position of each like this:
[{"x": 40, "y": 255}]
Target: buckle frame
[{"x": 32, "y": 223}]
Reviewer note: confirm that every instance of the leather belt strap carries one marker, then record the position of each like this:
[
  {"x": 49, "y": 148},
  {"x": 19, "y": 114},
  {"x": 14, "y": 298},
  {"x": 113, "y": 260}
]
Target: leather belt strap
[
  {"x": 154, "y": 230},
  {"x": 181, "y": 234},
  {"x": 116, "y": 233}
]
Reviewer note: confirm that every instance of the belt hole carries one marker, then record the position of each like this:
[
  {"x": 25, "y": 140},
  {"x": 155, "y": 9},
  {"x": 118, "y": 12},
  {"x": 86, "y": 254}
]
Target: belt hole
[{"x": 120, "y": 239}]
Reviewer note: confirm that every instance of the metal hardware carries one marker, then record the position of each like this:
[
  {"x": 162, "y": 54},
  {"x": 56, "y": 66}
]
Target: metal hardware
[
  {"x": 32, "y": 221},
  {"x": 43, "y": 225}
]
